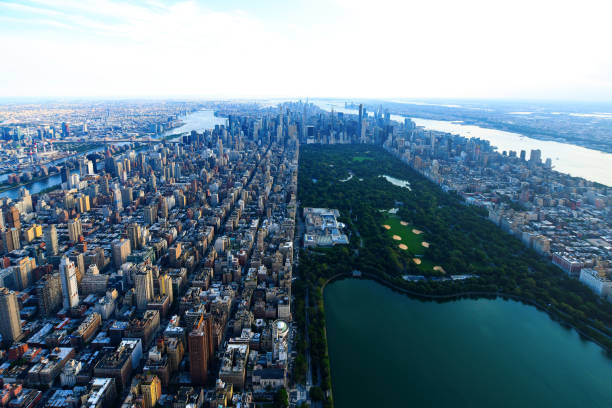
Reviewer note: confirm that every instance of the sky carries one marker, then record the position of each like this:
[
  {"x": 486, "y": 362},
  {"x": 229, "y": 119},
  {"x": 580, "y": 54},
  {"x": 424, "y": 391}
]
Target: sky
[{"x": 518, "y": 49}]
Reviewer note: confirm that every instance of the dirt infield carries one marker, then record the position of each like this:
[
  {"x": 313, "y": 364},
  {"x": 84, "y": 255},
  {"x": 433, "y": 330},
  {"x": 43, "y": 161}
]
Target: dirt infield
[
  {"x": 403, "y": 246},
  {"x": 439, "y": 268},
  {"x": 404, "y": 223},
  {"x": 416, "y": 261},
  {"x": 416, "y": 231},
  {"x": 387, "y": 227},
  {"x": 397, "y": 238},
  {"x": 425, "y": 244}
]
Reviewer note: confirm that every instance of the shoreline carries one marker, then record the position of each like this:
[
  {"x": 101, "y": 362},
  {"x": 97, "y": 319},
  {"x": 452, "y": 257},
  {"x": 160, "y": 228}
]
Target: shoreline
[{"x": 554, "y": 315}]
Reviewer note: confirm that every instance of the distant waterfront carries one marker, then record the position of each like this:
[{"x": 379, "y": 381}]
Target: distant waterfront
[
  {"x": 198, "y": 121},
  {"x": 577, "y": 161},
  {"x": 398, "y": 351}
]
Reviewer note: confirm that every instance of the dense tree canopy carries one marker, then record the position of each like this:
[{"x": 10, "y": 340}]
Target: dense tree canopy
[{"x": 461, "y": 239}]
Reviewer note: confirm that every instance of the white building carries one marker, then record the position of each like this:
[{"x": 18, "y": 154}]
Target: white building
[
  {"x": 70, "y": 290},
  {"x": 68, "y": 377},
  {"x": 599, "y": 283}
]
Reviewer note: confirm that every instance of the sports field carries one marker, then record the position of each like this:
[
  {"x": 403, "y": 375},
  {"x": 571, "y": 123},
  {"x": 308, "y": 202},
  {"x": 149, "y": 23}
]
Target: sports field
[{"x": 407, "y": 237}]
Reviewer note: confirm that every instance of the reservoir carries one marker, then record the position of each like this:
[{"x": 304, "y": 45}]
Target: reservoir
[{"x": 388, "y": 349}]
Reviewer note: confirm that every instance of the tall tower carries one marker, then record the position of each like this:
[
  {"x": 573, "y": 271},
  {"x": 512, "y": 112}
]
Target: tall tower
[
  {"x": 121, "y": 250},
  {"x": 13, "y": 218},
  {"x": 10, "y": 323},
  {"x": 134, "y": 234},
  {"x": 75, "y": 230},
  {"x": 70, "y": 291},
  {"x": 198, "y": 353},
  {"x": 51, "y": 240},
  {"x": 165, "y": 286},
  {"x": 143, "y": 286},
  {"x": 49, "y": 293}
]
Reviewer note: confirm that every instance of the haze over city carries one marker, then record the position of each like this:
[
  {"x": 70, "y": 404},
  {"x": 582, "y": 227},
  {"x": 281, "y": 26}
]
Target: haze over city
[
  {"x": 340, "y": 48},
  {"x": 305, "y": 204}
]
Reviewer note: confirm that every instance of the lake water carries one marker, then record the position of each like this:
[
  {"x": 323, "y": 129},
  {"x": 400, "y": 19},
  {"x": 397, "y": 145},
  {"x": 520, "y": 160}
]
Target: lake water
[
  {"x": 397, "y": 182},
  {"x": 575, "y": 160},
  {"x": 387, "y": 349}
]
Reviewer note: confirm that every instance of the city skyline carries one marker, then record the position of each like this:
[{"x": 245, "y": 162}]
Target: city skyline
[{"x": 348, "y": 49}]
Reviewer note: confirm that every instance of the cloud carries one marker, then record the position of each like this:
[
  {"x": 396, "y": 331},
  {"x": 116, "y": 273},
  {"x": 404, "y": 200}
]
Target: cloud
[{"x": 351, "y": 48}]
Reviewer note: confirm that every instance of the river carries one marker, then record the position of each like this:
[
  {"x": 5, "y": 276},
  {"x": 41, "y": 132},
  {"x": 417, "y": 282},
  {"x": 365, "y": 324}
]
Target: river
[
  {"x": 387, "y": 349},
  {"x": 575, "y": 160},
  {"x": 566, "y": 158},
  {"x": 199, "y": 121}
]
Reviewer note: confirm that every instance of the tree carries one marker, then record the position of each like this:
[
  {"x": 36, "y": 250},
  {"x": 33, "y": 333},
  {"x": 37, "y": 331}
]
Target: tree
[
  {"x": 281, "y": 398},
  {"x": 316, "y": 394}
]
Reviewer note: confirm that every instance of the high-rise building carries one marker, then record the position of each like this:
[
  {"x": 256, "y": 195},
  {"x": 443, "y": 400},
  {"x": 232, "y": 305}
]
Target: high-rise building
[
  {"x": 143, "y": 287},
  {"x": 150, "y": 214},
  {"x": 65, "y": 173},
  {"x": 127, "y": 196},
  {"x": 135, "y": 235},
  {"x": 118, "y": 202},
  {"x": 75, "y": 230},
  {"x": 82, "y": 203},
  {"x": 150, "y": 387},
  {"x": 164, "y": 209},
  {"x": 79, "y": 262},
  {"x": 535, "y": 156},
  {"x": 23, "y": 272},
  {"x": 85, "y": 166},
  {"x": 165, "y": 286},
  {"x": 10, "y": 323},
  {"x": 12, "y": 218},
  {"x": 10, "y": 239},
  {"x": 49, "y": 293},
  {"x": 65, "y": 129},
  {"x": 51, "y": 240},
  {"x": 121, "y": 250},
  {"x": 198, "y": 354},
  {"x": 70, "y": 291}
]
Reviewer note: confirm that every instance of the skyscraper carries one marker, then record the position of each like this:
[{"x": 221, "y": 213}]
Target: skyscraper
[
  {"x": 70, "y": 291},
  {"x": 10, "y": 239},
  {"x": 49, "y": 294},
  {"x": 10, "y": 323},
  {"x": 13, "y": 218},
  {"x": 150, "y": 214},
  {"x": 165, "y": 286},
  {"x": 65, "y": 173},
  {"x": 117, "y": 200},
  {"x": 143, "y": 287},
  {"x": 535, "y": 156},
  {"x": 121, "y": 250},
  {"x": 134, "y": 235},
  {"x": 51, "y": 240},
  {"x": 198, "y": 354},
  {"x": 75, "y": 230}
]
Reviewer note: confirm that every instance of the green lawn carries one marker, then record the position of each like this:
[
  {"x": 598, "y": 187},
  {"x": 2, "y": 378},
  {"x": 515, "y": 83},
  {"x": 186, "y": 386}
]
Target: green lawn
[
  {"x": 361, "y": 158},
  {"x": 410, "y": 239}
]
